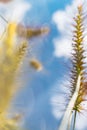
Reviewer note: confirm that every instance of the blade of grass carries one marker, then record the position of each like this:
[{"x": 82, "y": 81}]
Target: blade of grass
[{"x": 64, "y": 123}]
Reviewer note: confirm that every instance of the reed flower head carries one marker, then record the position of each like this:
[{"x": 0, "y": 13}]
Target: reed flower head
[{"x": 78, "y": 60}]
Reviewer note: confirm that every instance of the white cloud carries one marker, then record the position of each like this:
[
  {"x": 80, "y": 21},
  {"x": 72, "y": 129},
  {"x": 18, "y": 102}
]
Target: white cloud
[
  {"x": 81, "y": 122},
  {"x": 59, "y": 18},
  {"x": 57, "y": 102},
  {"x": 62, "y": 47},
  {"x": 13, "y": 11},
  {"x": 64, "y": 20}
]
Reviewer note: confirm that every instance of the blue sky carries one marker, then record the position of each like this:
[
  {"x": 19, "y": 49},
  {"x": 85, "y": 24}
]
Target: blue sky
[{"x": 41, "y": 114}]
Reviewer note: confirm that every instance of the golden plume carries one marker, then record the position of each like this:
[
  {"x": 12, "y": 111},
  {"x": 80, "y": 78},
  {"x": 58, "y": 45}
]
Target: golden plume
[{"x": 9, "y": 63}]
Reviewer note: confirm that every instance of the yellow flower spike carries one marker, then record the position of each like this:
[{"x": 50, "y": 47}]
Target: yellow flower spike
[
  {"x": 19, "y": 55},
  {"x": 10, "y": 37},
  {"x": 11, "y": 32},
  {"x": 8, "y": 65}
]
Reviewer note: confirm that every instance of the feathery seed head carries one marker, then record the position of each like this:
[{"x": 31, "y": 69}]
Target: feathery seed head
[{"x": 78, "y": 63}]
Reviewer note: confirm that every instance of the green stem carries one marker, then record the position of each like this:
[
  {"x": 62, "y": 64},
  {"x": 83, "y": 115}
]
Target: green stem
[{"x": 74, "y": 120}]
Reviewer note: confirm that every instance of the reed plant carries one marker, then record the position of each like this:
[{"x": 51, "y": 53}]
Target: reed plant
[{"x": 78, "y": 77}]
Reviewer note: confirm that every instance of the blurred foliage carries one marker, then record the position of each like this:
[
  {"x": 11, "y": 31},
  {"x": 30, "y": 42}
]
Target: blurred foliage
[
  {"x": 29, "y": 32},
  {"x": 11, "y": 56},
  {"x": 36, "y": 64},
  {"x": 9, "y": 64}
]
